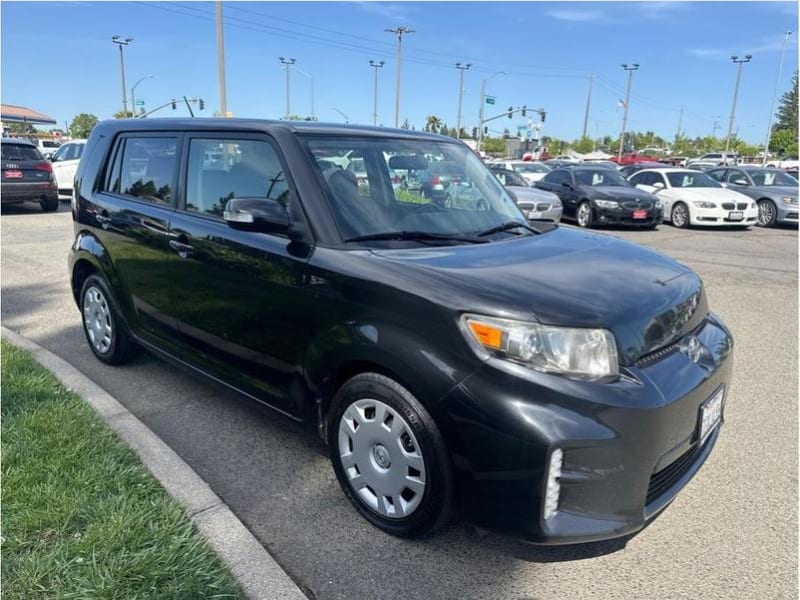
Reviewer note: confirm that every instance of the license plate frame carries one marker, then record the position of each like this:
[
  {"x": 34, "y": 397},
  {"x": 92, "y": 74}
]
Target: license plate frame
[
  {"x": 13, "y": 174},
  {"x": 736, "y": 215},
  {"x": 534, "y": 214},
  {"x": 640, "y": 214},
  {"x": 710, "y": 414}
]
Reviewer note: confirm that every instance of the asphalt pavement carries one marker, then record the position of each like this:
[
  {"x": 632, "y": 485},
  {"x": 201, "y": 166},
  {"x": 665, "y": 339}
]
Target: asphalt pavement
[{"x": 731, "y": 533}]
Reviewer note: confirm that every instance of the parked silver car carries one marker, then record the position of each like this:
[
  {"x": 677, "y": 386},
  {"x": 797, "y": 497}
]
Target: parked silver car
[
  {"x": 774, "y": 191},
  {"x": 536, "y": 204},
  {"x": 713, "y": 159}
]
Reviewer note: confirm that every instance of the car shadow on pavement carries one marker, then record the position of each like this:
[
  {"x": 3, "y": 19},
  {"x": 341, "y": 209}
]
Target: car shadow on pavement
[{"x": 29, "y": 208}]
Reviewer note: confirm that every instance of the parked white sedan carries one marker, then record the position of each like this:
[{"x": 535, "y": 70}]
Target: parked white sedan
[
  {"x": 693, "y": 198},
  {"x": 65, "y": 164},
  {"x": 530, "y": 170}
]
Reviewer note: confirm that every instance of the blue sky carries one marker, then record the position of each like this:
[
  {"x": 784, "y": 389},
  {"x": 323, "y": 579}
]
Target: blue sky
[{"x": 57, "y": 57}]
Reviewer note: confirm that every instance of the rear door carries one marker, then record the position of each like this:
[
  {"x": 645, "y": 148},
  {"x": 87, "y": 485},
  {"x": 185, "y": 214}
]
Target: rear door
[
  {"x": 240, "y": 299},
  {"x": 131, "y": 213}
]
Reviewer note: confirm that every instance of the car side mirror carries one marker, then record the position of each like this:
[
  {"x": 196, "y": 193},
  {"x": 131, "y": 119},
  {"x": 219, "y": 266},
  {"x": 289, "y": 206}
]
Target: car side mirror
[
  {"x": 740, "y": 182},
  {"x": 566, "y": 184},
  {"x": 256, "y": 214},
  {"x": 658, "y": 185}
]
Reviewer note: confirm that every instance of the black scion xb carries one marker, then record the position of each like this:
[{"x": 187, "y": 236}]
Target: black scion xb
[{"x": 554, "y": 384}]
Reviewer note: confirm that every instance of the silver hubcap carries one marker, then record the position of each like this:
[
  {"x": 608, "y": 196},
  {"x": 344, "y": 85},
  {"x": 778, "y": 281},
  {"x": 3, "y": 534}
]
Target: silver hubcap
[
  {"x": 97, "y": 319},
  {"x": 583, "y": 214},
  {"x": 765, "y": 213},
  {"x": 381, "y": 458},
  {"x": 679, "y": 215}
]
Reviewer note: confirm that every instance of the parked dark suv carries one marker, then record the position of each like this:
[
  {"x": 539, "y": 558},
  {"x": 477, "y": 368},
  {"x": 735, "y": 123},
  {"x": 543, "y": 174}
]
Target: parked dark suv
[
  {"x": 27, "y": 176},
  {"x": 546, "y": 382}
]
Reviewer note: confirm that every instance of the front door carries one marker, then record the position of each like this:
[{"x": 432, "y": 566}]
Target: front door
[{"x": 239, "y": 296}]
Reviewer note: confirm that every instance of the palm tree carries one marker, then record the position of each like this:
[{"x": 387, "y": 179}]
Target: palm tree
[{"x": 433, "y": 123}]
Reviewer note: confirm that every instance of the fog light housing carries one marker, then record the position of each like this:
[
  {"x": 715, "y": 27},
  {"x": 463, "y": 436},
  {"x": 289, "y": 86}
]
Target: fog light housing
[{"x": 553, "y": 489}]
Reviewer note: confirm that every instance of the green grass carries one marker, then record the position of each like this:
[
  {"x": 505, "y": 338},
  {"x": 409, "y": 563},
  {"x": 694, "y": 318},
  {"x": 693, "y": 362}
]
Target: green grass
[{"x": 81, "y": 517}]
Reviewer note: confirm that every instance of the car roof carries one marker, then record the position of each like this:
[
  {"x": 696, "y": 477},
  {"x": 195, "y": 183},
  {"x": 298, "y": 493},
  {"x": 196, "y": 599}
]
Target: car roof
[
  {"x": 17, "y": 141},
  {"x": 670, "y": 170},
  {"x": 310, "y": 127}
]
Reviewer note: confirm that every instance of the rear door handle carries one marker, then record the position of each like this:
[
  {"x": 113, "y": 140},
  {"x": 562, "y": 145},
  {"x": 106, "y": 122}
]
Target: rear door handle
[{"x": 183, "y": 250}]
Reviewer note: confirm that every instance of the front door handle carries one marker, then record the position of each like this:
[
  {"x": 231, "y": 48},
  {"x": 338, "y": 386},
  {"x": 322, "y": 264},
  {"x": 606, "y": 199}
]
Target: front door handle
[
  {"x": 183, "y": 250},
  {"x": 103, "y": 219}
]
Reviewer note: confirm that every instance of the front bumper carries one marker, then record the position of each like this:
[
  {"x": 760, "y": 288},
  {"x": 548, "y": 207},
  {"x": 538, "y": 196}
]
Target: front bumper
[
  {"x": 624, "y": 216},
  {"x": 628, "y": 446},
  {"x": 541, "y": 211},
  {"x": 720, "y": 217},
  {"x": 787, "y": 213}
]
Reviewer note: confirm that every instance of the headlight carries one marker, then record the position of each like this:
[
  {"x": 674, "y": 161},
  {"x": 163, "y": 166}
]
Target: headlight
[
  {"x": 702, "y": 204},
  {"x": 607, "y": 203},
  {"x": 579, "y": 353},
  {"x": 788, "y": 200},
  {"x": 658, "y": 204}
]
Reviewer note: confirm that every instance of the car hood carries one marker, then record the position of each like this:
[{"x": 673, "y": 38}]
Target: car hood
[
  {"x": 615, "y": 192},
  {"x": 710, "y": 194},
  {"x": 564, "y": 277},
  {"x": 529, "y": 194}
]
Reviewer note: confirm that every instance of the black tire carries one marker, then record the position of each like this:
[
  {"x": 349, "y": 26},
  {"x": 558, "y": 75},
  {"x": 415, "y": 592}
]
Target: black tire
[
  {"x": 678, "y": 206},
  {"x": 767, "y": 213},
  {"x": 436, "y": 507},
  {"x": 121, "y": 347},
  {"x": 49, "y": 204},
  {"x": 588, "y": 222}
]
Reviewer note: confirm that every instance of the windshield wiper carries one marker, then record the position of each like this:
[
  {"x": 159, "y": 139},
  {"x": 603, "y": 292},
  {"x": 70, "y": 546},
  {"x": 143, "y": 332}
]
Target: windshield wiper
[
  {"x": 506, "y": 226},
  {"x": 415, "y": 235}
]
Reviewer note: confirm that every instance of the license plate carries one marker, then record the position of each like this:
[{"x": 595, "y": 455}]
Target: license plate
[
  {"x": 13, "y": 174},
  {"x": 711, "y": 413},
  {"x": 534, "y": 214},
  {"x": 640, "y": 214},
  {"x": 736, "y": 216}
]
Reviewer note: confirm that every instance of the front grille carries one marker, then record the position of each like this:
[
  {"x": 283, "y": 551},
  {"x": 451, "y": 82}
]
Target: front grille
[
  {"x": 741, "y": 206},
  {"x": 791, "y": 215},
  {"x": 663, "y": 480},
  {"x": 636, "y": 205},
  {"x": 728, "y": 205},
  {"x": 657, "y": 355},
  {"x": 542, "y": 206}
]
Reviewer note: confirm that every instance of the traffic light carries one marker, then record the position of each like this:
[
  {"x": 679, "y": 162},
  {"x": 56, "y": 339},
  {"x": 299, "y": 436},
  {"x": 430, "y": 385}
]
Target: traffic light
[
  {"x": 201, "y": 103},
  {"x": 485, "y": 130},
  {"x": 542, "y": 114},
  {"x": 524, "y": 109},
  {"x": 174, "y": 105},
  {"x": 510, "y": 111},
  {"x": 474, "y": 133}
]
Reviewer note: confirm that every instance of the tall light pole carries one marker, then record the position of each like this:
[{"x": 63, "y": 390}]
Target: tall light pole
[
  {"x": 737, "y": 61},
  {"x": 786, "y": 35},
  {"x": 133, "y": 92},
  {"x": 223, "y": 100},
  {"x": 630, "y": 69},
  {"x": 461, "y": 68},
  {"x": 375, "y": 65},
  {"x": 588, "y": 104},
  {"x": 122, "y": 42},
  {"x": 346, "y": 118},
  {"x": 400, "y": 32},
  {"x": 287, "y": 62},
  {"x": 680, "y": 125},
  {"x": 483, "y": 105},
  {"x": 311, "y": 79}
]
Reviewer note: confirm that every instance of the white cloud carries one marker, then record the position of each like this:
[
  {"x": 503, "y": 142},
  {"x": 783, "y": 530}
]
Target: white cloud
[
  {"x": 575, "y": 15},
  {"x": 390, "y": 10},
  {"x": 765, "y": 46}
]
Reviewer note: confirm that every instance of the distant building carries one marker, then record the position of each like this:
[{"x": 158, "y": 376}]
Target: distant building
[{"x": 10, "y": 113}]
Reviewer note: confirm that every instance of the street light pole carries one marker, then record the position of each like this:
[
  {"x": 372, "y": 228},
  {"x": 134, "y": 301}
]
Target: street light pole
[
  {"x": 311, "y": 79},
  {"x": 482, "y": 107},
  {"x": 588, "y": 104},
  {"x": 461, "y": 68},
  {"x": 223, "y": 100},
  {"x": 375, "y": 65},
  {"x": 133, "y": 92},
  {"x": 400, "y": 31},
  {"x": 786, "y": 35},
  {"x": 630, "y": 69},
  {"x": 287, "y": 62},
  {"x": 122, "y": 42},
  {"x": 346, "y": 118},
  {"x": 737, "y": 61}
]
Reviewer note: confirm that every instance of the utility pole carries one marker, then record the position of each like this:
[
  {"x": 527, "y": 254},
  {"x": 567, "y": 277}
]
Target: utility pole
[
  {"x": 400, "y": 32},
  {"x": 483, "y": 106},
  {"x": 287, "y": 62},
  {"x": 714, "y": 128},
  {"x": 120, "y": 42},
  {"x": 630, "y": 69},
  {"x": 223, "y": 101},
  {"x": 737, "y": 61},
  {"x": 311, "y": 79},
  {"x": 680, "y": 124},
  {"x": 786, "y": 35},
  {"x": 375, "y": 65},
  {"x": 588, "y": 104},
  {"x": 461, "y": 68}
]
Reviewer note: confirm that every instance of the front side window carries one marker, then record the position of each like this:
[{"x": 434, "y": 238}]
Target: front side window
[
  {"x": 557, "y": 177},
  {"x": 737, "y": 177},
  {"x": 717, "y": 174},
  {"x": 222, "y": 169},
  {"x": 397, "y": 185},
  {"x": 147, "y": 168}
]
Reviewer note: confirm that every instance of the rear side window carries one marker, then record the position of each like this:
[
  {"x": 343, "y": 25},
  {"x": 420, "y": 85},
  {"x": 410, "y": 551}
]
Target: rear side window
[
  {"x": 221, "y": 169},
  {"x": 144, "y": 168},
  {"x": 20, "y": 152}
]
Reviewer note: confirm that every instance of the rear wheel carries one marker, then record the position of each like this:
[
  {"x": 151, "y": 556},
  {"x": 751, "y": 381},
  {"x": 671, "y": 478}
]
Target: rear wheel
[
  {"x": 767, "y": 213},
  {"x": 584, "y": 214},
  {"x": 49, "y": 204},
  {"x": 102, "y": 326},
  {"x": 389, "y": 456},
  {"x": 680, "y": 215}
]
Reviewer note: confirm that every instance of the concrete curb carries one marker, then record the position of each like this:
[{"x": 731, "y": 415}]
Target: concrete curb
[{"x": 252, "y": 566}]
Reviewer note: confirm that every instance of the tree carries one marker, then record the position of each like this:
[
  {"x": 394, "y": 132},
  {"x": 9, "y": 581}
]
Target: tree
[
  {"x": 582, "y": 145},
  {"x": 123, "y": 114},
  {"x": 433, "y": 123},
  {"x": 20, "y": 128},
  {"x": 784, "y": 141},
  {"x": 405, "y": 125},
  {"x": 493, "y": 145},
  {"x": 787, "y": 109},
  {"x": 82, "y": 125}
]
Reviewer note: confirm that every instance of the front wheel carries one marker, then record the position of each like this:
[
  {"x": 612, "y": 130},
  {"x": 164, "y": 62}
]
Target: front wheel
[
  {"x": 767, "y": 213},
  {"x": 680, "y": 215},
  {"x": 584, "y": 214},
  {"x": 390, "y": 457}
]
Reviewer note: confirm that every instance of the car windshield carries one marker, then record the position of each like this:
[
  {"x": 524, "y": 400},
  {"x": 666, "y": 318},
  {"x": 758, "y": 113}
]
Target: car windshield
[
  {"x": 531, "y": 167},
  {"x": 772, "y": 178},
  {"x": 20, "y": 152},
  {"x": 691, "y": 179},
  {"x": 444, "y": 189},
  {"x": 601, "y": 176}
]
